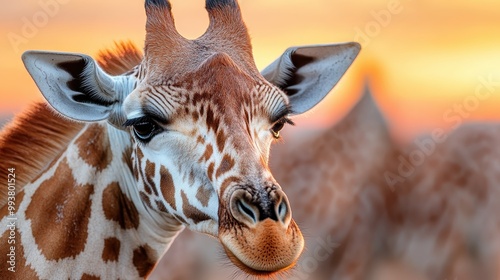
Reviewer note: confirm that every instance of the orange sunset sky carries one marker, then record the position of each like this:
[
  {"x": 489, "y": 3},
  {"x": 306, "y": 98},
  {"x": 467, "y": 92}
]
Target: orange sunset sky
[{"x": 423, "y": 58}]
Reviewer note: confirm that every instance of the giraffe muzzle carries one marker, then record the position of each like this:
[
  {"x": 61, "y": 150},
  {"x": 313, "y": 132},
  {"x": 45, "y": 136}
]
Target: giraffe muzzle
[{"x": 267, "y": 240}]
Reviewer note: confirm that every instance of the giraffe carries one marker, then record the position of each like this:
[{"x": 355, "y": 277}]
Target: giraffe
[
  {"x": 441, "y": 213},
  {"x": 180, "y": 141}
]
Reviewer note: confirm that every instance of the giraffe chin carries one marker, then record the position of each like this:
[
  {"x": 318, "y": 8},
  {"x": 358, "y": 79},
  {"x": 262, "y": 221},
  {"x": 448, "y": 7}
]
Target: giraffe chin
[
  {"x": 258, "y": 273},
  {"x": 281, "y": 248}
]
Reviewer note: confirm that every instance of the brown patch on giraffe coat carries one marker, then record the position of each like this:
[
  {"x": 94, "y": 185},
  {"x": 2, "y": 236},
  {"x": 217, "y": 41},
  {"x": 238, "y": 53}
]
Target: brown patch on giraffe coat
[
  {"x": 144, "y": 260},
  {"x": 207, "y": 154},
  {"x": 195, "y": 116},
  {"x": 212, "y": 120},
  {"x": 138, "y": 159},
  {"x": 221, "y": 140},
  {"x": 226, "y": 164},
  {"x": 192, "y": 178},
  {"x": 210, "y": 170},
  {"x": 161, "y": 206},
  {"x": 86, "y": 276},
  {"x": 94, "y": 147},
  {"x": 111, "y": 251},
  {"x": 202, "y": 106},
  {"x": 147, "y": 186},
  {"x": 136, "y": 173},
  {"x": 149, "y": 183},
  {"x": 203, "y": 195},
  {"x": 118, "y": 207},
  {"x": 200, "y": 140},
  {"x": 192, "y": 212},
  {"x": 23, "y": 270},
  {"x": 66, "y": 212},
  {"x": 139, "y": 154},
  {"x": 145, "y": 199},
  {"x": 167, "y": 187}
]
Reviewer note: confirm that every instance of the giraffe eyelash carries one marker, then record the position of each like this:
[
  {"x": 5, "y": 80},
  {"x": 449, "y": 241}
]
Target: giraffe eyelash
[
  {"x": 279, "y": 119},
  {"x": 135, "y": 121},
  {"x": 286, "y": 120},
  {"x": 281, "y": 115}
]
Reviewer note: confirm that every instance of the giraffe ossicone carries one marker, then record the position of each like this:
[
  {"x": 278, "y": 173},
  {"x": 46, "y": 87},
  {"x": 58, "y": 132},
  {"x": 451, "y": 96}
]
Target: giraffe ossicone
[{"x": 182, "y": 140}]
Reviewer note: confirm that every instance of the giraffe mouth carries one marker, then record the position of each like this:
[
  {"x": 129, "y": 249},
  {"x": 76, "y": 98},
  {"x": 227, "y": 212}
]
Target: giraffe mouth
[
  {"x": 265, "y": 250},
  {"x": 255, "y": 272}
]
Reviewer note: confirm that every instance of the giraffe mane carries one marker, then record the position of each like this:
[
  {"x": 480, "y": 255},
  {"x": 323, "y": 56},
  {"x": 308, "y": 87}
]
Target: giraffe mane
[
  {"x": 121, "y": 59},
  {"x": 38, "y": 129},
  {"x": 38, "y": 135}
]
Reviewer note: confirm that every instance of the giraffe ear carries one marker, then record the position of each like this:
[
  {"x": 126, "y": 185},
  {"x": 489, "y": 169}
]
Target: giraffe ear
[
  {"x": 307, "y": 74},
  {"x": 74, "y": 84}
]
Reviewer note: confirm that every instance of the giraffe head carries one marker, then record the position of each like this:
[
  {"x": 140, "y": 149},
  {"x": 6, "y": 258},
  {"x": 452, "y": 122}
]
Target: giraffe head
[{"x": 201, "y": 120}]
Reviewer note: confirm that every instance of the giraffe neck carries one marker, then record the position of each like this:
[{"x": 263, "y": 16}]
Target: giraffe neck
[{"x": 83, "y": 216}]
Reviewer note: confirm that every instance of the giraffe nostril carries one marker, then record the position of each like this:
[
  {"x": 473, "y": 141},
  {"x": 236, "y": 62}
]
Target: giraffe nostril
[
  {"x": 247, "y": 210},
  {"x": 242, "y": 208},
  {"x": 282, "y": 210}
]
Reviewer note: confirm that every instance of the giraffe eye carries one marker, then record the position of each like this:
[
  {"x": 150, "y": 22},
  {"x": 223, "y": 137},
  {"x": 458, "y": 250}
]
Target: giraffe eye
[
  {"x": 145, "y": 130},
  {"x": 275, "y": 130},
  {"x": 278, "y": 126}
]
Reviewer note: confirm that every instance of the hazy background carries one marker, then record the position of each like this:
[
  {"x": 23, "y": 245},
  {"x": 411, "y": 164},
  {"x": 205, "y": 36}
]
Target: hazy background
[{"x": 425, "y": 59}]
